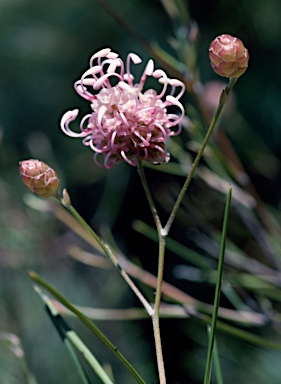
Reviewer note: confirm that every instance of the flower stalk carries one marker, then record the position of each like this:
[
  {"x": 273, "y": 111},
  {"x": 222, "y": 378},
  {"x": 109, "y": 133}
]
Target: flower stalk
[
  {"x": 107, "y": 250},
  {"x": 223, "y": 99},
  {"x": 130, "y": 123},
  {"x": 157, "y": 302},
  {"x": 163, "y": 232},
  {"x": 155, "y": 317}
]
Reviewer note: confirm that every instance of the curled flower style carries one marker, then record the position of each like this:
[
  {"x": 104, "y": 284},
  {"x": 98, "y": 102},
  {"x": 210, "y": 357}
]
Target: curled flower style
[{"x": 126, "y": 123}]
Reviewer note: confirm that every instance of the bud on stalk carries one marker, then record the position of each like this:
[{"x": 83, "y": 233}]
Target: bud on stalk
[
  {"x": 229, "y": 57},
  {"x": 38, "y": 177}
]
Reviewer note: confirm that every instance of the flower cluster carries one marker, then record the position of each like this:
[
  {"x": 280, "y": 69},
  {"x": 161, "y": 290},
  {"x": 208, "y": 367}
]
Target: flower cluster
[{"x": 126, "y": 123}]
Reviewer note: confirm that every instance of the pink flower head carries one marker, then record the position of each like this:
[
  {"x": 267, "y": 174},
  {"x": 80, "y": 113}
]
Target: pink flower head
[{"x": 126, "y": 122}]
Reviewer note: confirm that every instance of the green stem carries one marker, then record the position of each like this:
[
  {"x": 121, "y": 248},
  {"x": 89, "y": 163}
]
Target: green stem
[
  {"x": 89, "y": 324},
  {"x": 218, "y": 291},
  {"x": 222, "y": 102},
  {"x": 149, "y": 197},
  {"x": 155, "y": 317},
  {"x": 162, "y": 244},
  {"x": 107, "y": 250}
]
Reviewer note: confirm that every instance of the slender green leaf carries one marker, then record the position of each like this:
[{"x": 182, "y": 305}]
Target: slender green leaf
[
  {"x": 217, "y": 365},
  {"x": 62, "y": 329},
  {"x": 238, "y": 333},
  {"x": 89, "y": 324},
  {"x": 208, "y": 370}
]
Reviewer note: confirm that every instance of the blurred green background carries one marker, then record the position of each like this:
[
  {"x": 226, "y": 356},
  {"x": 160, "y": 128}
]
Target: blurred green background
[{"x": 44, "y": 48}]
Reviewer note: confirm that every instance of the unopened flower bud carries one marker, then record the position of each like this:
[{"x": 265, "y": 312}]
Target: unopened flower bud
[
  {"x": 38, "y": 177},
  {"x": 229, "y": 57}
]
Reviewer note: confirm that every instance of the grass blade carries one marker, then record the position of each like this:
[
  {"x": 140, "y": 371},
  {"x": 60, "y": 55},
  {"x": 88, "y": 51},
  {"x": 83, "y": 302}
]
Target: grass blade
[
  {"x": 89, "y": 324},
  {"x": 62, "y": 329},
  {"x": 208, "y": 369},
  {"x": 217, "y": 364}
]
